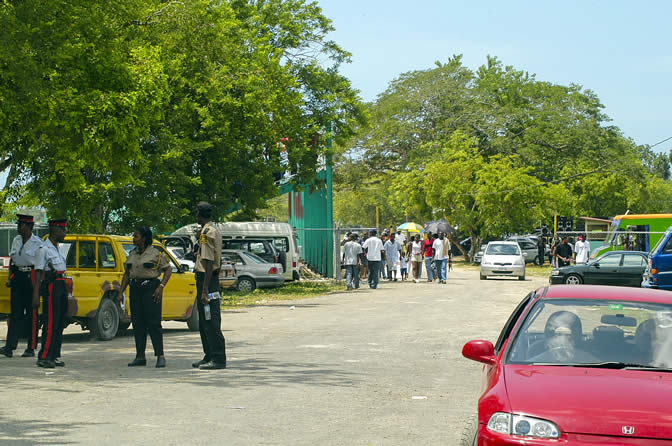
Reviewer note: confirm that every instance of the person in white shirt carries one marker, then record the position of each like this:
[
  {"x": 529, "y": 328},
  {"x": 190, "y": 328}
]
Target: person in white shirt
[
  {"x": 374, "y": 253},
  {"x": 401, "y": 238},
  {"x": 441, "y": 248},
  {"x": 416, "y": 258},
  {"x": 351, "y": 260},
  {"x": 392, "y": 249},
  {"x": 23, "y": 258},
  {"x": 581, "y": 251}
]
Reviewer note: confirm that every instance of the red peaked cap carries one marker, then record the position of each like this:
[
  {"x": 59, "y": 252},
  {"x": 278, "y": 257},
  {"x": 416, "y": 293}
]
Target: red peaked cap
[
  {"x": 60, "y": 222},
  {"x": 25, "y": 218}
]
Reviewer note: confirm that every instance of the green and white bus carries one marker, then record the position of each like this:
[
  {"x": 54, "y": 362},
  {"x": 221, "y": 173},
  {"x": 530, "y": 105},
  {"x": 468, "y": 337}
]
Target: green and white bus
[{"x": 638, "y": 232}]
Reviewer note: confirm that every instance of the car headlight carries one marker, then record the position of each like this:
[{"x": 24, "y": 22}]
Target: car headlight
[
  {"x": 555, "y": 272},
  {"x": 511, "y": 424}
]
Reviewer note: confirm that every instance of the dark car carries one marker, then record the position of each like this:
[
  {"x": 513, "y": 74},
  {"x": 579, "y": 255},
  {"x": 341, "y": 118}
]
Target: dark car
[{"x": 623, "y": 268}]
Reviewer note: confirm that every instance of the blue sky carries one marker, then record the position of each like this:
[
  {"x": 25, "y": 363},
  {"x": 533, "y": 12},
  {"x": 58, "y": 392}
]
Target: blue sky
[{"x": 618, "y": 49}]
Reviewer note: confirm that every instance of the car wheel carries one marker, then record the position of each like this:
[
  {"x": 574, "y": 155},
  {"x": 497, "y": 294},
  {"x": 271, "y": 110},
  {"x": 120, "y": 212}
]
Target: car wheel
[
  {"x": 521, "y": 277},
  {"x": 105, "y": 324},
  {"x": 246, "y": 284},
  {"x": 192, "y": 322},
  {"x": 470, "y": 432},
  {"x": 573, "y": 279},
  {"x": 483, "y": 277}
]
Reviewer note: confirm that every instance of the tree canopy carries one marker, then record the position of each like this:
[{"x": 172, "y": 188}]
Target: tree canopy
[
  {"x": 494, "y": 151},
  {"x": 120, "y": 112}
]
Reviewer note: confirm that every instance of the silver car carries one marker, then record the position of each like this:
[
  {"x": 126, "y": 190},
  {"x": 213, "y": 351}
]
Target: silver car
[
  {"x": 503, "y": 258},
  {"x": 252, "y": 271}
]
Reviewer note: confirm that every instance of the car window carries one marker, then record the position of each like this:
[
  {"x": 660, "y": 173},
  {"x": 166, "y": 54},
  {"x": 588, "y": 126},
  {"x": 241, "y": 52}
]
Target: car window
[
  {"x": 174, "y": 266},
  {"x": 106, "y": 256},
  {"x": 176, "y": 251},
  {"x": 281, "y": 244},
  {"x": 610, "y": 260},
  {"x": 235, "y": 244},
  {"x": 587, "y": 331},
  {"x": 668, "y": 247},
  {"x": 633, "y": 260},
  {"x": 87, "y": 254},
  {"x": 68, "y": 251},
  {"x": 506, "y": 331},
  {"x": 232, "y": 257},
  {"x": 128, "y": 247},
  {"x": 253, "y": 258},
  {"x": 257, "y": 248},
  {"x": 502, "y": 250}
]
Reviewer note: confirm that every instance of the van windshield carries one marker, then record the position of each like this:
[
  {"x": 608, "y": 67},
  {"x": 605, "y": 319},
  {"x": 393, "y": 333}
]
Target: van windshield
[{"x": 660, "y": 243}]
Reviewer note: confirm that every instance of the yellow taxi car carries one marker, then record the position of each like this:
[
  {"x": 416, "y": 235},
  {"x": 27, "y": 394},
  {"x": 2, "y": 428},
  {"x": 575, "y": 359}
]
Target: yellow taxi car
[{"x": 95, "y": 264}]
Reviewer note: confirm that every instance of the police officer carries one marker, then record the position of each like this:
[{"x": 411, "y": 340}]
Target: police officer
[
  {"x": 50, "y": 278},
  {"x": 23, "y": 317},
  {"x": 208, "y": 262},
  {"x": 144, "y": 265}
]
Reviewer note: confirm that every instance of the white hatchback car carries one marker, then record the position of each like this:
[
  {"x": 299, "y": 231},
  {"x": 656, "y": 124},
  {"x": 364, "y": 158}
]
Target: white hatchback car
[{"x": 503, "y": 259}]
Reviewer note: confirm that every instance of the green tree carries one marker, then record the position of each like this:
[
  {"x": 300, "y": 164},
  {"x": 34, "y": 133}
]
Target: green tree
[{"x": 134, "y": 111}]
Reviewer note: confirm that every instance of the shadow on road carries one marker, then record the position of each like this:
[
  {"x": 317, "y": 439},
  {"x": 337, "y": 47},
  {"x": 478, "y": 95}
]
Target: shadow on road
[{"x": 34, "y": 432}]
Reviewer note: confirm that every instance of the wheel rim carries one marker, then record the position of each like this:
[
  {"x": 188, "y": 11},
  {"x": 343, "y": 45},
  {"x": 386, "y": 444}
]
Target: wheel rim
[
  {"x": 107, "y": 320},
  {"x": 245, "y": 285},
  {"x": 572, "y": 280}
]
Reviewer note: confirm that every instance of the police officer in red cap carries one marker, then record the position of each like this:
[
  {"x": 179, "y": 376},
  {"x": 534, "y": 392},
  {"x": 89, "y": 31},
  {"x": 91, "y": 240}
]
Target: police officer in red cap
[
  {"x": 50, "y": 275},
  {"x": 23, "y": 257}
]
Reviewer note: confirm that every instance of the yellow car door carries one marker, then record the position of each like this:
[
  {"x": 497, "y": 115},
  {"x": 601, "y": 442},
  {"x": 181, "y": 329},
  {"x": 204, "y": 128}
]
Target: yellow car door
[{"x": 179, "y": 294}]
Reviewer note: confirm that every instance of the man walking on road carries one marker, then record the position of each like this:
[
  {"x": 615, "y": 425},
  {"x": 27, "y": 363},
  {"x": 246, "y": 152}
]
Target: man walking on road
[
  {"x": 208, "y": 264},
  {"x": 440, "y": 247},
  {"x": 351, "y": 255},
  {"x": 392, "y": 249},
  {"x": 429, "y": 253},
  {"x": 374, "y": 253}
]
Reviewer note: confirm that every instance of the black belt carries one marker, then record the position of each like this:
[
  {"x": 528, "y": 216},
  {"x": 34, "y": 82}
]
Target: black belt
[
  {"x": 143, "y": 282},
  {"x": 53, "y": 275},
  {"x": 24, "y": 269}
]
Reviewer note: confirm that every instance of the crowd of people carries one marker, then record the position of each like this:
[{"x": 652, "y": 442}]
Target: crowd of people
[
  {"x": 391, "y": 256},
  {"x": 565, "y": 251}
]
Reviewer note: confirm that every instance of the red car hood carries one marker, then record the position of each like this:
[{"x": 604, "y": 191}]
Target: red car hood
[{"x": 593, "y": 401}]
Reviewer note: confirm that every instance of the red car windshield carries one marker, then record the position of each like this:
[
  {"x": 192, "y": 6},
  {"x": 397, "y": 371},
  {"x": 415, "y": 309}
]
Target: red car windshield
[{"x": 594, "y": 332}]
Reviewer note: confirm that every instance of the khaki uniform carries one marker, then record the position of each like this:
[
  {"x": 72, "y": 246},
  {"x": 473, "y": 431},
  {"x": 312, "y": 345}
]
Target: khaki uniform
[
  {"x": 210, "y": 248},
  {"x": 144, "y": 270},
  {"x": 148, "y": 265},
  {"x": 214, "y": 344}
]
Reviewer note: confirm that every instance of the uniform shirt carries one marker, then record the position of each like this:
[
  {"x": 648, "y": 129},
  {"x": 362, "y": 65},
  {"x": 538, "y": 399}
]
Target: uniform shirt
[
  {"x": 210, "y": 248},
  {"x": 50, "y": 258},
  {"x": 25, "y": 254},
  {"x": 373, "y": 245},
  {"x": 148, "y": 265},
  {"x": 351, "y": 252}
]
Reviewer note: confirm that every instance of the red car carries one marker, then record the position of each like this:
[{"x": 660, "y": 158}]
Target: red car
[{"x": 578, "y": 365}]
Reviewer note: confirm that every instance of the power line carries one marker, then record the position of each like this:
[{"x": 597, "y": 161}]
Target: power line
[{"x": 660, "y": 142}]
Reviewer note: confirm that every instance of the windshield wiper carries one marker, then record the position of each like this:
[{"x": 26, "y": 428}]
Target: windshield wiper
[{"x": 608, "y": 365}]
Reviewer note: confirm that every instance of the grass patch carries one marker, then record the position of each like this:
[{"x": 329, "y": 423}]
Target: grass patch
[{"x": 302, "y": 289}]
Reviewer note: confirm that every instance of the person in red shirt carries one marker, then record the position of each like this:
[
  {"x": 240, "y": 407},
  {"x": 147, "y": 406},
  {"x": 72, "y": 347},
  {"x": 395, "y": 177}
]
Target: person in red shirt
[{"x": 429, "y": 254}]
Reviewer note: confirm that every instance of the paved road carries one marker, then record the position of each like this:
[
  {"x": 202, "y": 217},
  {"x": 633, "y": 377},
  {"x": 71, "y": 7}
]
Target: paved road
[{"x": 372, "y": 367}]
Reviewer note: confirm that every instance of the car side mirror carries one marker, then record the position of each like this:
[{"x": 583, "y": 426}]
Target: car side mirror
[
  {"x": 184, "y": 268},
  {"x": 480, "y": 351}
]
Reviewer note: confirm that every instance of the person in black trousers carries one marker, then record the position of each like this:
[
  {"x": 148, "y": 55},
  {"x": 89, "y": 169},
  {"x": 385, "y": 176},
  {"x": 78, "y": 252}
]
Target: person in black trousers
[
  {"x": 50, "y": 283},
  {"x": 144, "y": 265},
  {"x": 541, "y": 250},
  {"x": 208, "y": 264},
  {"x": 23, "y": 317}
]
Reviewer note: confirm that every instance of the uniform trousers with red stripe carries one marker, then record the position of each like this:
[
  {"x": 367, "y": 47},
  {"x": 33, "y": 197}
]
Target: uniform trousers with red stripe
[
  {"x": 23, "y": 318},
  {"x": 54, "y": 313}
]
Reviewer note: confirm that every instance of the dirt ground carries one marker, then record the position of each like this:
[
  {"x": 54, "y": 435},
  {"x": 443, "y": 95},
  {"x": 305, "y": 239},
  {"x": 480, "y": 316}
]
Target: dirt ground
[{"x": 370, "y": 367}]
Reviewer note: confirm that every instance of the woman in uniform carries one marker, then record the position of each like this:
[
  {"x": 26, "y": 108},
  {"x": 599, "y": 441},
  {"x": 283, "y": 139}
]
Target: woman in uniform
[{"x": 144, "y": 265}]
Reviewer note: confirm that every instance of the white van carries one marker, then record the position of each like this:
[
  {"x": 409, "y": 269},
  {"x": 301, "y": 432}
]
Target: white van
[{"x": 281, "y": 234}]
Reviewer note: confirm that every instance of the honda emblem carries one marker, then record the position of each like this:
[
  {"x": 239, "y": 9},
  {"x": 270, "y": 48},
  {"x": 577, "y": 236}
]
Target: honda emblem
[{"x": 628, "y": 430}]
